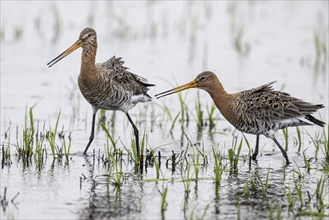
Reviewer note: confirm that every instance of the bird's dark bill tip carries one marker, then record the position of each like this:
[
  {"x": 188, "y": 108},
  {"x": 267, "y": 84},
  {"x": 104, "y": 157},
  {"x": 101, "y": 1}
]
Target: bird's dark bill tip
[
  {"x": 54, "y": 61},
  {"x": 166, "y": 93}
]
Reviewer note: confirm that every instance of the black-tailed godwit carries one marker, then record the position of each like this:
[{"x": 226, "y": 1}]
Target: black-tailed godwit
[
  {"x": 107, "y": 85},
  {"x": 256, "y": 111}
]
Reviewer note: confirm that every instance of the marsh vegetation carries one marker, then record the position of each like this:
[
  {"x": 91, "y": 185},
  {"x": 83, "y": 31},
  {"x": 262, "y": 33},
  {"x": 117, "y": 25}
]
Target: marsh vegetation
[{"x": 194, "y": 164}]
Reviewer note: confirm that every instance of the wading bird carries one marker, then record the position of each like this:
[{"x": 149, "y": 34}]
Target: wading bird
[
  {"x": 108, "y": 85},
  {"x": 256, "y": 111}
]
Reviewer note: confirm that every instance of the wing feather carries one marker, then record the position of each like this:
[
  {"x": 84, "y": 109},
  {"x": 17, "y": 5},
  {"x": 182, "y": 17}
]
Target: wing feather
[{"x": 263, "y": 103}]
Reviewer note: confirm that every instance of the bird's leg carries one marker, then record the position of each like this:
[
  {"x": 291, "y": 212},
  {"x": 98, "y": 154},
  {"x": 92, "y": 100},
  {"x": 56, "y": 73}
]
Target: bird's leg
[
  {"x": 91, "y": 138},
  {"x": 284, "y": 153},
  {"x": 254, "y": 155},
  {"x": 135, "y": 132}
]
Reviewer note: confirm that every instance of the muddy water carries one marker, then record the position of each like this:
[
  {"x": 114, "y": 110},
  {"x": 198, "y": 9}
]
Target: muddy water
[{"x": 246, "y": 44}]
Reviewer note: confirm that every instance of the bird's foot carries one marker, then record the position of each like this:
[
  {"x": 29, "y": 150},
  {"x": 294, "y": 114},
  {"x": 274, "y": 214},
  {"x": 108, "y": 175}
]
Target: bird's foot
[
  {"x": 254, "y": 156},
  {"x": 288, "y": 162}
]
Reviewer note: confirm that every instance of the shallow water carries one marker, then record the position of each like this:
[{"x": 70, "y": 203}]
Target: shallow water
[{"x": 169, "y": 44}]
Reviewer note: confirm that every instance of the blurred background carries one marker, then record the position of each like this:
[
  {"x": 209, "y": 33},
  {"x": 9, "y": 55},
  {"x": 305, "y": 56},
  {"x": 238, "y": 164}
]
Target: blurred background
[{"x": 246, "y": 43}]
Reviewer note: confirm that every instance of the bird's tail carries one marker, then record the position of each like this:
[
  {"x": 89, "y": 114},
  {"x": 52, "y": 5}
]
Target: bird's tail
[
  {"x": 315, "y": 121},
  {"x": 147, "y": 84}
]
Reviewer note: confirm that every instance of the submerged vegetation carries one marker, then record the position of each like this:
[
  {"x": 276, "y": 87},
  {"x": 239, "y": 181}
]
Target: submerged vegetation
[
  {"x": 320, "y": 42},
  {"x": 32, "y": 145},
  {"x": 189, "y": 168},
  {"x": 238, "y": 28}
]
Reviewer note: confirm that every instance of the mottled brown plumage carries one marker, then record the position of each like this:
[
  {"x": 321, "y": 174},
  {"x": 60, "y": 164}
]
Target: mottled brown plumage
[
  {"x": 107, "y": 85},
  {"x": 256, "y": 111}
]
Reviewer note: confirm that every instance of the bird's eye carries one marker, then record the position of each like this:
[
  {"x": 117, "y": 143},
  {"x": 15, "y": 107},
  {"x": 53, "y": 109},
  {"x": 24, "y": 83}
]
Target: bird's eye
[
  {"x": 89, "y": 35},
  {"x": 203, "y": 78}
]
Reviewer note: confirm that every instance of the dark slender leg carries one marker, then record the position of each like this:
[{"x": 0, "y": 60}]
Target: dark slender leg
[
  {"x": 135, "y": 132},
  {"x": 91, "y": 138},
  {"x": 284, "y": 153},
  {"x": 254, "y": 155}
]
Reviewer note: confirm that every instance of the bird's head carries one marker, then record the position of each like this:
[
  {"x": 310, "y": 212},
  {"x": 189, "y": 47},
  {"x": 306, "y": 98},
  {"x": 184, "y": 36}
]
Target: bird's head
[
  {"x": 205, "y": 80},
  {"x": 87, "y": 39}
]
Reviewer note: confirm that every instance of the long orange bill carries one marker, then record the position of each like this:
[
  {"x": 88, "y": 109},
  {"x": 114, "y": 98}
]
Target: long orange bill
[
  {"x": 189, "y": 85},
  {"x": 75, "y": 46}
]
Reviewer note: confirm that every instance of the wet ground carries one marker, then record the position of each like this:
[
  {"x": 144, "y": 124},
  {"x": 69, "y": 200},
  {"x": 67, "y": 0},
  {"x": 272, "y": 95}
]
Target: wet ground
[{"x": 245, "y": 43}]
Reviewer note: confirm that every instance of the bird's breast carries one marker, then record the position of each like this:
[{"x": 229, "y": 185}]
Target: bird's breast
[{"x": 93, "y": 91}]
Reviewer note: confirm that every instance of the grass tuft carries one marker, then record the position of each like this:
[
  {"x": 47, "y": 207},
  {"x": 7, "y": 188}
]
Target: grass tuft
[
  {"x": 199, "y": 111},
  {"x": 211, "y": 118},
  {"x": 51, "y": 137}
]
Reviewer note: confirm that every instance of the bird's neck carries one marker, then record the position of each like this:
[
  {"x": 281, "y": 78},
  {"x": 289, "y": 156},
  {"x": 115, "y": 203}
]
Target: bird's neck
[
  {"x": 223, "y": 100},
  {"x": 88, "y": 67}
]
